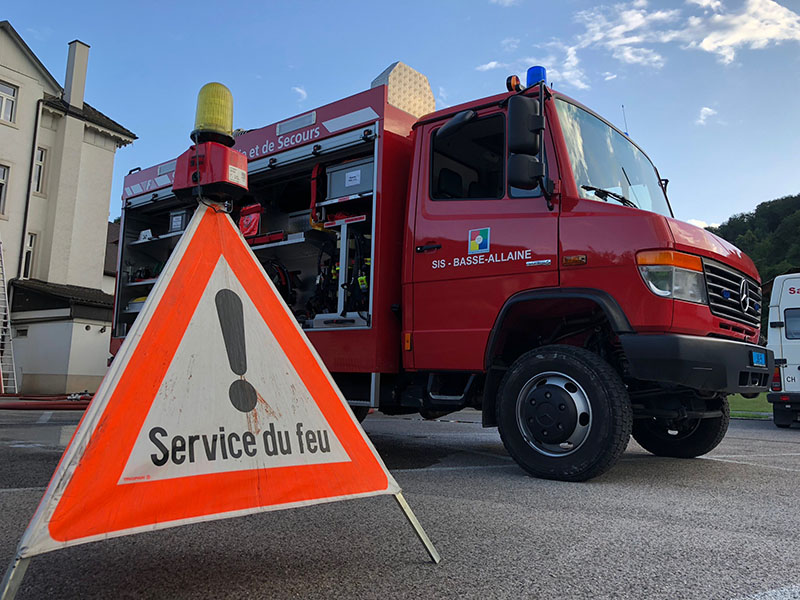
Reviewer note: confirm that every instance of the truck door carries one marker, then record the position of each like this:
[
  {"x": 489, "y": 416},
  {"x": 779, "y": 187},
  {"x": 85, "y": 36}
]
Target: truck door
[
  {"x": 790, "y": 334},
  {"x": 476, "y": 242}
]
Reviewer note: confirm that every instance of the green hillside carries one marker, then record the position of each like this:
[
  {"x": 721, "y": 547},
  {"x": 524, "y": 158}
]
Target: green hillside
[{"x": 770, "y": 235}]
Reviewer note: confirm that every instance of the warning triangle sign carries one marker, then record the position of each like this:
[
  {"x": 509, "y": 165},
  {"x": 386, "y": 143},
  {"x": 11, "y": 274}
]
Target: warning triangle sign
[{"x": 217, "y": 405}]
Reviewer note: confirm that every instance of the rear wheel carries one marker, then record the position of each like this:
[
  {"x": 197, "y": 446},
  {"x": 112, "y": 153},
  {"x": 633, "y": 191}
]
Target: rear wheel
[
  {"x": 782, "y": 417},
  {"x": 684, "y": 438},
  {"x": 563, "y": 413}
]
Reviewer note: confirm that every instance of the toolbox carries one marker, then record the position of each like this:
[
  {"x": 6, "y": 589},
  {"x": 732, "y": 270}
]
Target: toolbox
[{"x": 350, "y": 178}]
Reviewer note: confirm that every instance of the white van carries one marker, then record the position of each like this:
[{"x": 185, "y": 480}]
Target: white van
[{"x": 783, "y": 338}]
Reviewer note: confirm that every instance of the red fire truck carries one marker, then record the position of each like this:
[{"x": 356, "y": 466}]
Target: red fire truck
[{"x": 516, "y": 254}]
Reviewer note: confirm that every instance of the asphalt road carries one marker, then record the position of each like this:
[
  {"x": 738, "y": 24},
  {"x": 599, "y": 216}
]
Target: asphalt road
[{"x": 719, "y": 527}]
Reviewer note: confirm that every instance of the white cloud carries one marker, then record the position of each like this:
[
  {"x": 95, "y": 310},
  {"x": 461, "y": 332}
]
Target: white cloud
[
  {"x": 759, "y": 24},
  {"x": 629, "y": 31},
  {"x": 705, "y": 114},
  {"x": 703, "y": 224},
  {"x": 634, "y": 34},
  {"x": 639, "y": 56},
  {"x": 609, "y": 76},
  {"x": 441, "y": 99},
  {"x": 301, "y": 92},
  {"x": 505, "y": 3},
  {"x": 565, "y": 69},
  {"x": 624, "y": 30},
  {"x": 714, "y": 5},
  {"x": 492, "y": 64}
]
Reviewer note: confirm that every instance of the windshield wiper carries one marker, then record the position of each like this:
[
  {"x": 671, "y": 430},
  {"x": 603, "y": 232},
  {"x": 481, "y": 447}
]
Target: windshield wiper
[{"x": 604, "y": 194}]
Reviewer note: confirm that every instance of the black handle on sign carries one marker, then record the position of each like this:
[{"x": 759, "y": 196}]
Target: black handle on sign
[{"x": 427, "y": 247}]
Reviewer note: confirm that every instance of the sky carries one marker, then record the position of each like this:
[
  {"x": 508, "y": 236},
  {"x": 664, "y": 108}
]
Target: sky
[{"x": 709, "y": 87}]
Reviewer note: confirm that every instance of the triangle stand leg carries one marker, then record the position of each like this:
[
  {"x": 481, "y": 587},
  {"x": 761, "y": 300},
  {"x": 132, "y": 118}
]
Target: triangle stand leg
[
  {"x": 423, "y": 537},
  {"x": 13, "y": 579}
]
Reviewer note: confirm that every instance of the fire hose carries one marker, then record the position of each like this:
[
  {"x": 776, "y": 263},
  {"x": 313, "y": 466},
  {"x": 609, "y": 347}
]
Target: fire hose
[{"x": 44, "y": 402}]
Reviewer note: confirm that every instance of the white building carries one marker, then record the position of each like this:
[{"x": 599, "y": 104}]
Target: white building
[{"x": 56, "y": 164}]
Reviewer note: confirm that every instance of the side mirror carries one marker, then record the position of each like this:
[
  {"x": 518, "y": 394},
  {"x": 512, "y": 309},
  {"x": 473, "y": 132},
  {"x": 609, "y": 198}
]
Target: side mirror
[
  {"x": 524, "y": 171},
  {"x": 525, "y": 125},
  {"x": 455, "y": 124}
]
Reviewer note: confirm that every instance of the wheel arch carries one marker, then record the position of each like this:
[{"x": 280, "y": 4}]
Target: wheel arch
[{"x": 526, "y": 313}]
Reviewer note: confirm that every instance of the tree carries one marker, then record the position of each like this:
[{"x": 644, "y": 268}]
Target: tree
[{"x": 768, "y": 235}]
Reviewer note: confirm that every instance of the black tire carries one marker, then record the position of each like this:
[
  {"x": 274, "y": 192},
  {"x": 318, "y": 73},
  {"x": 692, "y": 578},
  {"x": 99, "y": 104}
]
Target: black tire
[
  {"x": 360, "y": 412},
  {"x": 782, "y": 417},
  {"x": 688, "y": 439},
  {"x": 575, "y": 433}
]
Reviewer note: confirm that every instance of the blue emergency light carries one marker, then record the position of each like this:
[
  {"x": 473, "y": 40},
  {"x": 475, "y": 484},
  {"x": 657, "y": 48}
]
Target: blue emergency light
[{"x": 535, "y": 75}]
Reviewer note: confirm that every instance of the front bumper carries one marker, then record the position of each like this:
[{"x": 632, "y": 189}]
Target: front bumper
[{"x": 701, "y": 363}]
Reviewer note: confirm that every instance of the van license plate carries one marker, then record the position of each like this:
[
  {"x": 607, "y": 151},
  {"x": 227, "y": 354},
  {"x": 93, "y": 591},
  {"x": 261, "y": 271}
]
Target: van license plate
[{"x": 758, "y": 359}]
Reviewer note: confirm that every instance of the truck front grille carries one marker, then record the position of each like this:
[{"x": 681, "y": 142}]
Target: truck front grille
[{"x": 731, "y": 294}]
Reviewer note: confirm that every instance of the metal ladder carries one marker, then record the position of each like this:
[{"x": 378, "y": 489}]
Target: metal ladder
[{"x": 8, "y": 373}]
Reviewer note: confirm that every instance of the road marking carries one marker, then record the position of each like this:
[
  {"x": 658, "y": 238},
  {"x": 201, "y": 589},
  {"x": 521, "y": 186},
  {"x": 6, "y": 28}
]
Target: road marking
[
  {"x": 755, "y": 455},
  {"x": 27, "y": 489},
  {"x": 45, "y": 416},
  {"x": 740, "y": 462},
  {"x": 760, "y": 440},
  {"x": 464, "y": 468},
  {"x": 788, "y": 593}
]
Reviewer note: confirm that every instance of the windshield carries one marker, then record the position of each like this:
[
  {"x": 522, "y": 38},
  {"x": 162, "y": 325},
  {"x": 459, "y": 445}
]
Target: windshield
[{"x": 603, "y": 158}]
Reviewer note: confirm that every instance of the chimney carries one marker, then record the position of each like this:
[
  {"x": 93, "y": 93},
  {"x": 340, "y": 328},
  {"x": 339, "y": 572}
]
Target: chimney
[{"x": 75, "y": 81}]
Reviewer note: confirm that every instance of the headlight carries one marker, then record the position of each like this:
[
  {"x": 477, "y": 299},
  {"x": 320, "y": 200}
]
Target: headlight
[{"x": 672, "y": 274}]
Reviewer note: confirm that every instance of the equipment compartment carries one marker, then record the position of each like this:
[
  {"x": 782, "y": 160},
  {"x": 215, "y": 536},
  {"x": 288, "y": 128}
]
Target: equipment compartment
[
  {"x": 150, "y": 232},
  {"x": 314, "y": 242},
  {"x": 317, "y": 253}
]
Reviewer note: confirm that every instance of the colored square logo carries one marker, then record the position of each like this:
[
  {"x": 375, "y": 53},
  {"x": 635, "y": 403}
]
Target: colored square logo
[{"x": 479, "y": 240}]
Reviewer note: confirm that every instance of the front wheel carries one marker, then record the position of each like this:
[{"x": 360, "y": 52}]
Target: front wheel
[
  {"x": 563, "y": 413},
  {"x": 686, "y": 438}
]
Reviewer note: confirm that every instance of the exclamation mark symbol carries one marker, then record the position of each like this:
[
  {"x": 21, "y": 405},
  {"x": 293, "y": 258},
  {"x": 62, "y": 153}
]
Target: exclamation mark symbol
[{"x": 231, "y": 318}]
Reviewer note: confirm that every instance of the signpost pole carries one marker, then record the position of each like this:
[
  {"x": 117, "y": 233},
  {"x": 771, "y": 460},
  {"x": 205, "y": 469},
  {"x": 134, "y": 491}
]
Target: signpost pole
[
  {"x": 13, "y": 579},
  {"x": 423, "y": 537}
]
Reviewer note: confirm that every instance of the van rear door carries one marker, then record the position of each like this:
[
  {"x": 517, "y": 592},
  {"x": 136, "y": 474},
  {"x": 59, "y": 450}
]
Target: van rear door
[{"x": 790, "y": 333}]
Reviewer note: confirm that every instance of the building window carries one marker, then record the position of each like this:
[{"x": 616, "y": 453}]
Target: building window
[
  {"x": 30, "y": 248},
  {"x": 8, "y": 100},
  {"x": 38, "y": 170},
  {"x": 4, "y": 171}
]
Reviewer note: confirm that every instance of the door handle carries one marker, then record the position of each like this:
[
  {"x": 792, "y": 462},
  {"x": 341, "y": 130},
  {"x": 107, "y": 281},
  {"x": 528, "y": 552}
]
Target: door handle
[{"x": 427, "y": 247}]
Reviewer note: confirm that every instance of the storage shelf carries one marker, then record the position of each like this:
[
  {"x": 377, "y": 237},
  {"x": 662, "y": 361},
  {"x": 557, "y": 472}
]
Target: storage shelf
[
  {"x": 159, "y": 238},
  {"x": 312, "y": 236},
  {"x": 143, "y": 282},
  {"x": 345, "y": 198},
  {"x": 348, "y": 220},
  {"x": 286, "y": 242}
]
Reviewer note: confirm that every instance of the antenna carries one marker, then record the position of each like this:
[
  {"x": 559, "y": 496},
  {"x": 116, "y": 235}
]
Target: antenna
[{"x": 625, "y": 120}]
